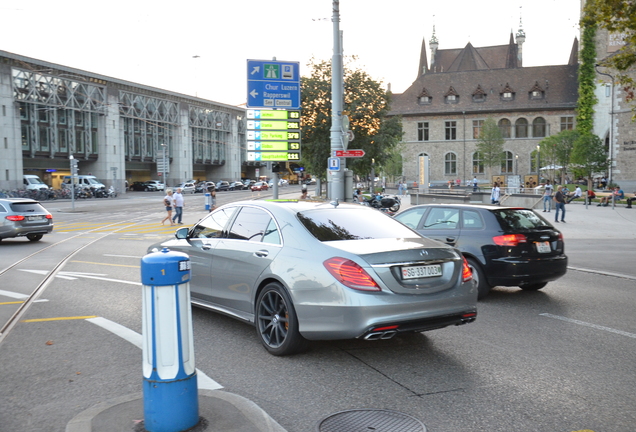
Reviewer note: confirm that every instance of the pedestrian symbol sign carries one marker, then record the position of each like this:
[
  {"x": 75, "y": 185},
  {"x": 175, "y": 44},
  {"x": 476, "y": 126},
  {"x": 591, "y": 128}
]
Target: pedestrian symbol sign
[{"x": 334, "y": 164}]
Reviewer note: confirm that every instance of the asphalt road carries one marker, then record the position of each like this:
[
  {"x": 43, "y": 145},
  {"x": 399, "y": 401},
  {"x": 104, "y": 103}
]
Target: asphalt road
[{"x": 557, "y": 360}]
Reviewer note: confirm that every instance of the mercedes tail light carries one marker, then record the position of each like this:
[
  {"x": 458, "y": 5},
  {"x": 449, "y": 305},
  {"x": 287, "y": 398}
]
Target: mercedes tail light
[
  {"x": 350, "y": 274},
  {"x": 467, "y": 273}
]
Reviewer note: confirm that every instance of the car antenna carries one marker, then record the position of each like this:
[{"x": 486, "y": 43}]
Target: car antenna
[{"x": 335, "y": 203}]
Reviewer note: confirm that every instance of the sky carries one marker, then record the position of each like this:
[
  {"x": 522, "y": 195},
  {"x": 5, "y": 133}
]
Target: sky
[{"x": 201, "y": 47}]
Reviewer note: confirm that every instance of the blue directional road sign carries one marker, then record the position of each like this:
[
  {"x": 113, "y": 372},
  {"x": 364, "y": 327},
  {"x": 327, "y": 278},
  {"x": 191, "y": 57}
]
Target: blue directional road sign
[{"x": 273, "y": 84}]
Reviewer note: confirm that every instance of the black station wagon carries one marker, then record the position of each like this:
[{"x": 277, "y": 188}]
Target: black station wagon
[{"x": 504, "y": 246}]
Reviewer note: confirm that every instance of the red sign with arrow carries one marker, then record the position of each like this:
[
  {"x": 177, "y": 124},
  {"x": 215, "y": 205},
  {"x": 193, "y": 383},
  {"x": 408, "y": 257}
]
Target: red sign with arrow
[{"x": 349, "y": 153}]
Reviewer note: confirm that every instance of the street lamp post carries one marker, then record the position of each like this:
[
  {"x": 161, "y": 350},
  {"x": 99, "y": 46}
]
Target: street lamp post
[
  {"x": 163, "y": 166},
  {"x": 538, "y": 165},
  {"x": 611, "y": 127},
  {"x": 516, "y": 164}
]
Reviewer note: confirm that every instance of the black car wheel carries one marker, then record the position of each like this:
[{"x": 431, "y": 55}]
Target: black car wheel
[
  {"x": 533, "y": 287},
  {"x": 34, "y": 237},
  {"x": 276, "y": 321},
  {"x": 483, "y": 287}
]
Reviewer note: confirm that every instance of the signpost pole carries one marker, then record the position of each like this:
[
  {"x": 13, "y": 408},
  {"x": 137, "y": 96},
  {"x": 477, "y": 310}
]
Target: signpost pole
[{"x": 336, "y": 184}]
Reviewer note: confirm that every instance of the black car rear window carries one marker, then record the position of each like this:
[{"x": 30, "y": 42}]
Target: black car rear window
[
  {"x": 27, "y": 207},
  {"x": 352, "y": 224},
  {"x": 519, "y": 219}
]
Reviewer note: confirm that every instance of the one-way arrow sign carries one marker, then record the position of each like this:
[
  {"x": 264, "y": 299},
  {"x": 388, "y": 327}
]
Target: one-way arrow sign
[{"x": 349, "y": 153}]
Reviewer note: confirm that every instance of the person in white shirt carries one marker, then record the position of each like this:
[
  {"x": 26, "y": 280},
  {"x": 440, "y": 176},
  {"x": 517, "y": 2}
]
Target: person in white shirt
[
  {"x": 494, "y": 194},
  {"x": 547, "y": 196},
  {"x": 578, "y": 193},
  {"x": 177, "y": 198}
]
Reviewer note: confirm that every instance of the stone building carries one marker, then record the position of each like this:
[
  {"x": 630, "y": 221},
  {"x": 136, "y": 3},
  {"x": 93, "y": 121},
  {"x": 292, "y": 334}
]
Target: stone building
[
  {"x": 445, "y": 107},
  {"x": 117, "y": 130},
  {"x": 613, "y": 114}
]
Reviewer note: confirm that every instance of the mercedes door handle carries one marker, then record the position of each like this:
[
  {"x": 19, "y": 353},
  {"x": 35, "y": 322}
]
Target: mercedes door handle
[{"x": 261, "y": 253}]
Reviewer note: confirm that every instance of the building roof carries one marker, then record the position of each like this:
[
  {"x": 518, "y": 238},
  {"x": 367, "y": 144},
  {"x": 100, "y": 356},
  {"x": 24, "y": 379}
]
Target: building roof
[{"x": 477, "y": 78}]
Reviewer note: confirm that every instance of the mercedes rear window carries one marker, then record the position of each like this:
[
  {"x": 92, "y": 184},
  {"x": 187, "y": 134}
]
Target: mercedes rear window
[
  {"x": 27, "y": 207},
  {"x": 352, "y": 224}
]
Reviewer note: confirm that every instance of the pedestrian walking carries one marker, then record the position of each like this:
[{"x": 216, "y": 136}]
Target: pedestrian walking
[
  {"x": 547, "y": 197},
  {"x": 168, "y": 202},
  {"x": 475, "y": 183},
  {"x": 559, "y": 198},
  {"x": 177, "y": 198},
  {"x": 494, "y": 194},
  {"x": 212, "y": 191}
]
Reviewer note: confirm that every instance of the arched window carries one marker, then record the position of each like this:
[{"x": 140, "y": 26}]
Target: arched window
[
  {"x": 538, "y": 127},
  {"x": 478, "y": 163},
  {"x": 507, "y": 161},
  {"x": 521, "y": 128},
  {"x": 450, "y": 164},
  {"x": 504, "y": 126}
]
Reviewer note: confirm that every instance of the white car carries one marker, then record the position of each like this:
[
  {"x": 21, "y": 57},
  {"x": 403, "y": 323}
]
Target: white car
[
  {"x": 158, "y": 186},
  {"x": 186, "y": 187}
]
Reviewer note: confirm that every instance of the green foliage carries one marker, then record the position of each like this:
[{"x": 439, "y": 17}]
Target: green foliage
[
  {"x": 366, "y": 104},
  {"x": 619, "y": 18},
  {"x": 587, "y": 85},
  {"x": 557, "y": 149},
  {"x": 589, "y": 156},
  {"x": 490, "y": 144}
]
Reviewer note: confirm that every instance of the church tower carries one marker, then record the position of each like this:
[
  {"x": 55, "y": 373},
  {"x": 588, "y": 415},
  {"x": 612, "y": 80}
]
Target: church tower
[
  {"x": 520, "y": 39},
  {"x": 434, "y": 44}
]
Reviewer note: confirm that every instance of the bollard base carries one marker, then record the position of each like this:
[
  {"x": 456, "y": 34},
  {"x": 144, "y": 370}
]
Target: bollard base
[{"x": 171, "y": 406}]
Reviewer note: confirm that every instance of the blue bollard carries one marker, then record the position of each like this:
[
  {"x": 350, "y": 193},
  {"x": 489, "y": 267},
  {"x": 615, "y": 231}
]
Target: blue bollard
[
  {"x": 171, "y": 400},
  {"x": 208, "y": 201}
]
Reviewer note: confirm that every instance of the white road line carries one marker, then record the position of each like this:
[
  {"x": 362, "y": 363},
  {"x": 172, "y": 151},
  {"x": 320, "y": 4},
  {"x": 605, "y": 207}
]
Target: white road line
[
  {"x": 204, "y": 382},
  {"x": 123, "y": 256},
  {"x": 18, "y": 296},
  {"x": 595, "y": 326}
]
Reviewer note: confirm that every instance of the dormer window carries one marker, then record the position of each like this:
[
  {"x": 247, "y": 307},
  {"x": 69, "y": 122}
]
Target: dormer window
[
  {"x": 507, "y": 94},
  {"x": 424, "y": 98},
  {"x": 479, "y": 95},
  {"x": 536, "y": 92},
  {"x": 451, "y": 96}
]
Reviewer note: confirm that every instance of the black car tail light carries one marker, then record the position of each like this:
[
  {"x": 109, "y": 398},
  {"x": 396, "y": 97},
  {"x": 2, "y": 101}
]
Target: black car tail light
[
  {"x": 350, "y": 274},
  {"x": 509, "y": 239}
]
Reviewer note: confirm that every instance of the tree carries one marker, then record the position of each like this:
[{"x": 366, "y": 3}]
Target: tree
[
  {"x": 587, "y": 82},
  {"x": 589, "y": 157},
  {"x": 367, "y": 105},
  {"x": 490, "y": 144},
  {"x": 558, "y": 149},
  {"x": 618, "y": 17}
]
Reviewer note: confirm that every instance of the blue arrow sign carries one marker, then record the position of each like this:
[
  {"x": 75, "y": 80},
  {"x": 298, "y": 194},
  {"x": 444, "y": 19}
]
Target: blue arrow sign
[{"x": 273, "y": 84}]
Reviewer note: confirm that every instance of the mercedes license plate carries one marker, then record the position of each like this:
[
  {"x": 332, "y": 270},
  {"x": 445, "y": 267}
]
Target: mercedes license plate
[
  {"x": 543, "y": 247},
  {"x": 34, "y": 218},
  {"x": 421, "y": 271}
]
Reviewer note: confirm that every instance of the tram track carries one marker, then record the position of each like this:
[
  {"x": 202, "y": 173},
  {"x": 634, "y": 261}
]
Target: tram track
[{"x": 25, "y": 304}]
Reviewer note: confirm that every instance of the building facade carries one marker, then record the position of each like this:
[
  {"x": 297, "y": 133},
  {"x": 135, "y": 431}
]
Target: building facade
[
  {"x": 613, "y": 114},
  {"x": 446, "y": 106},
  {"x": 117, "y": 130}
]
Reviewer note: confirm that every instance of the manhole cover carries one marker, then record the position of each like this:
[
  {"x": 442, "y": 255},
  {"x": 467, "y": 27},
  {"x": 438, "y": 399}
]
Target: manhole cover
[{"x": 370, "y": 421}]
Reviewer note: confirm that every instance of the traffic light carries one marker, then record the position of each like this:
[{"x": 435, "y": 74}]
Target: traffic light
[
  {"x": 74, "y": 168},
  {"x": 275, "y": 167}
]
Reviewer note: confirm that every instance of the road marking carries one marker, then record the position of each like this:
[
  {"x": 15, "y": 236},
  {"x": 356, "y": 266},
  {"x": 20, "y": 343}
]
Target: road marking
[
  {"x": 123, "y": 256},
  {"x": 16, "y": 295},
  {"x": 76, "y": 275},
  {"x": 203, "y": 381},
  {"x": 106, "y": 264},
  {"x": 59, "y": 319},
  {"x": 586, "y": 324}
]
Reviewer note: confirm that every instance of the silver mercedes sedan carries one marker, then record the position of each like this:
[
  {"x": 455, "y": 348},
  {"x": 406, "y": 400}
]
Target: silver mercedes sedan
[{"x": 301, "y": 271}]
